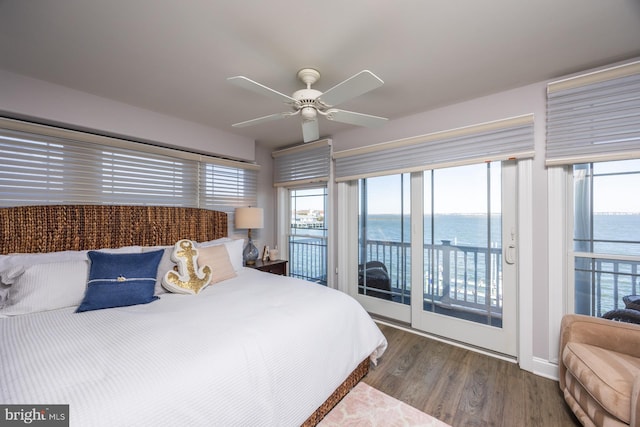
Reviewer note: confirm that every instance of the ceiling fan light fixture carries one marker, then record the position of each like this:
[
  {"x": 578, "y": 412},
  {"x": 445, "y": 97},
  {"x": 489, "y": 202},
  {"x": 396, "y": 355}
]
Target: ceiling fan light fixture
[{"x": 308, "y": 113}]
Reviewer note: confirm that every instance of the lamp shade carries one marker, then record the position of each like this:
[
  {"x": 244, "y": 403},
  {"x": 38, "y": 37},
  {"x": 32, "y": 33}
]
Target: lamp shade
[{"x": 249, "y": 218}]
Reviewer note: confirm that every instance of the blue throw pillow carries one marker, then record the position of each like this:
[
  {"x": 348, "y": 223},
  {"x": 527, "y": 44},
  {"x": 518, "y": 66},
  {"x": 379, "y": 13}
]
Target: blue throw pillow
[{"x": 117, "y": 280}]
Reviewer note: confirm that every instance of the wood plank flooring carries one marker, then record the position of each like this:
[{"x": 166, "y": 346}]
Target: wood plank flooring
[{"x": 464, "y": 388}]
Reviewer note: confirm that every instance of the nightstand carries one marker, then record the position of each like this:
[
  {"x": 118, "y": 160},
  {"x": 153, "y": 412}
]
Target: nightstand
[{"x": 278, "y": 266}]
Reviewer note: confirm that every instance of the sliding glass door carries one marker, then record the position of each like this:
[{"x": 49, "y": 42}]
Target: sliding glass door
[
  {"x": 384, "y": 245},
  {"x": 469, "y": 259},
  {"x": 437, "y": 250}
]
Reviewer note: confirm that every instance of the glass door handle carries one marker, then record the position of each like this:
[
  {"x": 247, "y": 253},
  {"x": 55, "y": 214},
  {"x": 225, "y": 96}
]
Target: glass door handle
[{"x": 510, "y": 254}]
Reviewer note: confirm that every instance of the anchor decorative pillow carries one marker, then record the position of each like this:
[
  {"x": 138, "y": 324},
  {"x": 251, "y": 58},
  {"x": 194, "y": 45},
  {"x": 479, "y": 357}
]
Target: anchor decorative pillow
[{"x": 189, "y": 279}]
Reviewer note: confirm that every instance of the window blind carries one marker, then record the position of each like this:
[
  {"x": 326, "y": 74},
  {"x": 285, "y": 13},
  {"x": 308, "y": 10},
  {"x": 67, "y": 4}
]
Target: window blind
[
  {"x": 46, "y": 165},
  {"x": 594, "y": 117},
  {"x": 302, "y": 164},
  {"x": 225, "y": 188},
  {"x": 499, "y": 140}
]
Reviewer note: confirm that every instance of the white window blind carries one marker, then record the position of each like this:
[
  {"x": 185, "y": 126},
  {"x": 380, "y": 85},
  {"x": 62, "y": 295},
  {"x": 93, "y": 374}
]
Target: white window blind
[
  {"x": 226, "y": 187},
  {"x": 499, "y": 140},
  {"x": 594, "y": 117},
  {"x": 48, "y": 165},
  {"x": 302, "y": 164}
]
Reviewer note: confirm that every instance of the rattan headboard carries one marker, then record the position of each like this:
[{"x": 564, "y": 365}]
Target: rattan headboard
[{"x": 52, "y": 228}]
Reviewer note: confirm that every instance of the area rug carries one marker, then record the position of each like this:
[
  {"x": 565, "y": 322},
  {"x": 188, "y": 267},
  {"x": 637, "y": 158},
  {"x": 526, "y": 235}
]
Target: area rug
[{"x": 364, "y": 406}]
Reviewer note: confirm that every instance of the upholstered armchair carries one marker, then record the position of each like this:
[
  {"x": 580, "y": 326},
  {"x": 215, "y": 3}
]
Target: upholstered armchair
[{"x": 599, "y": 370}]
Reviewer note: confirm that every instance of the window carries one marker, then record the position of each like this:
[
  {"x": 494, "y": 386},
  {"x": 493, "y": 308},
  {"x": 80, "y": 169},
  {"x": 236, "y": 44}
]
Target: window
[
  {"x": 592, "y": 132},
  {"x": 130, "y": 177},
  {"x": 308, "y": 234},
  {"x": 301, "y": 174},
  {"x": 225, "y": 187},
  {"x": 606, "y": 235},
  {"x": 463, "y": 242},
  {"x": 41, "y": 164},
  {"x": 384, "y": 236}
]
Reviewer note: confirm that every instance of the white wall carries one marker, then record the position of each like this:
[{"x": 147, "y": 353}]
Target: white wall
[
  {"x": 22, "y": 96},
  {"x": 524, "y": 100},
  {"x": 266, "y": 197}
]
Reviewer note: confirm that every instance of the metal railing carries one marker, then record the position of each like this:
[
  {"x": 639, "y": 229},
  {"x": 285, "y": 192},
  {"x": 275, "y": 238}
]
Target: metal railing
[
  {"x": 461, "y": 277},
  {"x": 600, "y": 284},
  {"x": 308, "y": 258},
  {"x": 456, "y": 276}
]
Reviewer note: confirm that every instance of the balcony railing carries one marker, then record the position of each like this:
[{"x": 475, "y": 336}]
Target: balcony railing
[
  {"x": 308, "y": 258},
  {"x": 601, "y": 283},
  {"x": 466, "y": 279}
]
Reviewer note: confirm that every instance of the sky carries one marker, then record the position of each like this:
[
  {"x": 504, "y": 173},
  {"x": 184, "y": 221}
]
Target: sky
[{"x": 463, "y": 190}]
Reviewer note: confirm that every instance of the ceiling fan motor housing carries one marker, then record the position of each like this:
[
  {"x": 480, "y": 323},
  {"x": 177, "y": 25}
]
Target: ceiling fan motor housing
[{"x": 306, "y": 102}]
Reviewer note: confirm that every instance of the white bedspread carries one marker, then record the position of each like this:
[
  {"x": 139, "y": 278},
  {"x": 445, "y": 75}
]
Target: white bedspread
[{"x": 256, "y": 350}]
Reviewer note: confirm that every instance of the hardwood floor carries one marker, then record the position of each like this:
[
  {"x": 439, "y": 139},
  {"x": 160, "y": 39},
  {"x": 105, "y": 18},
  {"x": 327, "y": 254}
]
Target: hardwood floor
[{"x": 465, "y": 388}]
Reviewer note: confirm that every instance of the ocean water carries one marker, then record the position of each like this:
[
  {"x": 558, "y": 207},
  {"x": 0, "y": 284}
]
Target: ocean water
[
  {"x": 612, "y": 233},
  {"x": 601, "y": 286}
]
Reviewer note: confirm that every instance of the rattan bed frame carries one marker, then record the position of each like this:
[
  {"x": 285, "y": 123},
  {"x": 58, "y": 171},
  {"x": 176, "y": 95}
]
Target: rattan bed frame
[
  {"x": 79, "y": 227},
  {"x": 50, "y": 228}
]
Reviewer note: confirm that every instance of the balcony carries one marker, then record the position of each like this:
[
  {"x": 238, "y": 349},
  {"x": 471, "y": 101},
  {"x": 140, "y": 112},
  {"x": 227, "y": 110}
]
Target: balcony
[
  {"x": 455, "y": 281},
  {"x": 601, "y": 283},
  {"x": 308, "y": 258}
]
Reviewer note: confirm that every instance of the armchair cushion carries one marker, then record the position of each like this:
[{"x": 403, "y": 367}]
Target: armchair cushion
[
  {"x": 599, "y": 369},
  {"x": 606, "y": 374}
]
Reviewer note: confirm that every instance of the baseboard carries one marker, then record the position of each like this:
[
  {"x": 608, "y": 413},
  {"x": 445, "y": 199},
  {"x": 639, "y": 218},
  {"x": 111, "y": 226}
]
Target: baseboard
[
  {"x": 544, "y": 368},
  {"x": 541, "y": 367},
  {"x": 407, "y": 328}
]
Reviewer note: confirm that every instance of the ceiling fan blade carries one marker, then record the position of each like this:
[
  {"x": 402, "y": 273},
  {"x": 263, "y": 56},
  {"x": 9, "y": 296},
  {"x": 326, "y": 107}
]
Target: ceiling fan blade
[
  {"x": 357, "y": 119},
  {"x": 259, "y": 120},
  {"x": 354, "y": 86},
  {"x": 249, "y": 84},
  {"x": 310, "y": 131}
]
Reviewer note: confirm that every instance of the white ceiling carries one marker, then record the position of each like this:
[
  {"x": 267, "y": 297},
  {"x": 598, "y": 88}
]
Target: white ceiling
[{"x": 173, "y": 57}]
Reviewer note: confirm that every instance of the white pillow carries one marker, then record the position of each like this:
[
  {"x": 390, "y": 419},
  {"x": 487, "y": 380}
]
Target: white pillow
[
  {"x": 213, "y": 242},
  {"x": 42, "y": 287},
  {"x": 235, "y": 248},
  {"x": 26, "y": 259}
]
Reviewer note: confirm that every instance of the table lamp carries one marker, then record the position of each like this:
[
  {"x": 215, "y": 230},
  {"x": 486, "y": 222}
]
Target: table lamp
[{"x": 250, "y": 218}]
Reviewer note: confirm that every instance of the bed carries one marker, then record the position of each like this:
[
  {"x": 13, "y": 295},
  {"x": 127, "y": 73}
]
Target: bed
[{"x": 253, "y": 349}]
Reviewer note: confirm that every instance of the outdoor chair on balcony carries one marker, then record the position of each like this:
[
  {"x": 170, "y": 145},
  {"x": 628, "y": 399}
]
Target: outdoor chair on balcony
[
  {"x": 629, "y": 314},
  {"x": 376, "y": 276}
]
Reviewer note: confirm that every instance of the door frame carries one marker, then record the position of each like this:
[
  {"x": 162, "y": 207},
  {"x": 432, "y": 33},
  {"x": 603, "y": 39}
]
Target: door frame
[
  {"x": 501, "y": 340},
  {"x": 347, "y": 265}
]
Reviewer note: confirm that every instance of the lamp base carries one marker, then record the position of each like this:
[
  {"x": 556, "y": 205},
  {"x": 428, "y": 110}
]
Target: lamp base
[{"x": 250, "y": 253}]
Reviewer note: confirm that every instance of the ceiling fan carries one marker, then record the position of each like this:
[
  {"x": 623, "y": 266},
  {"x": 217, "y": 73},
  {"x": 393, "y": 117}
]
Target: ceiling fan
[{"x": 310, "y": 103}]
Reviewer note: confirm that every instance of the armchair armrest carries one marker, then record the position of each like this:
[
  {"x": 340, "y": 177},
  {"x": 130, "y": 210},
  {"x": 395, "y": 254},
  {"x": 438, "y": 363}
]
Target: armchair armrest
[{"x": 618, "y": 336}]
